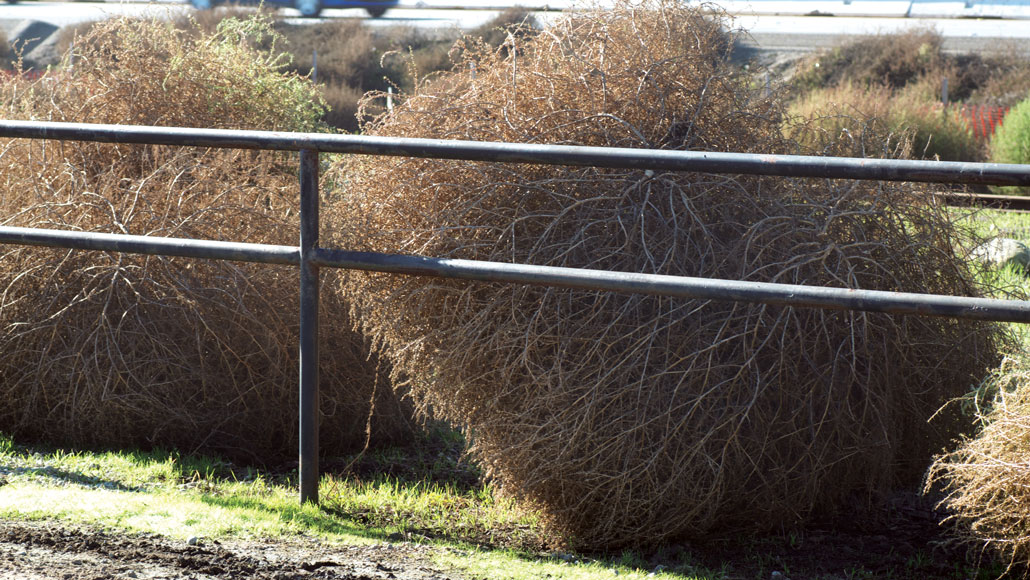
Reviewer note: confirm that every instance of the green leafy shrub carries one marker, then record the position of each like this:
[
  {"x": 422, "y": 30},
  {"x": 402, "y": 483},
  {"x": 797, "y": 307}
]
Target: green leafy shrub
[{"x": 1011, "y": 140}]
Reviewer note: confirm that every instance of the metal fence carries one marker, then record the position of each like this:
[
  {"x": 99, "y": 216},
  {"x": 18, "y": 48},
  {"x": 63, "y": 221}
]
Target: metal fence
[{"x": 310, "y": 257}]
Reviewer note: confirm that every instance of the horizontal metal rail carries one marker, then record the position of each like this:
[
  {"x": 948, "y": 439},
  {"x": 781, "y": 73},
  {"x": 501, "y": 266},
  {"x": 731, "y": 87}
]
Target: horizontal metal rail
[
  {"x": 994, "y": 201},
  {"x": 579, "y": 278},
  {"x": 309, "y": 257},
  {"x": 684, "y": 287},
  {"x": 623, "y": 158},
  {"x": 152, "y": 245}
]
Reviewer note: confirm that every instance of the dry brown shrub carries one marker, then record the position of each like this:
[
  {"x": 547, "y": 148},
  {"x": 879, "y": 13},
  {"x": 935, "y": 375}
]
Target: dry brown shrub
[
  {"x": 113, "y": 349},
  {"x": 353, "y": 58},
  {"x": 341, "y": 105},
  {"x": 999, "y": 77},
  {"x": 1009, "y": 82},
  {"x": 67, "y": 36},
  {"x": 845, "y": 120},
  {"x": 346, "y": 51},
  {"x": 987, "y": 479},
  {"x": 634, "y": 419},
  {"x": 891, "y": 60},
  {"x": 871, "y": 122},
  {"x": 207, "y": 21},
  {"x": 515, "y": 20}
]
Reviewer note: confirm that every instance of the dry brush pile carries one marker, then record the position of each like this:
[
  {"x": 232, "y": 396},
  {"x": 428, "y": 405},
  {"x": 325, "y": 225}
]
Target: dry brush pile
[
  {"x": 633, "y": 419},
  {"x": 117, "y": 349},
  {"x": 986, "y": 480}
]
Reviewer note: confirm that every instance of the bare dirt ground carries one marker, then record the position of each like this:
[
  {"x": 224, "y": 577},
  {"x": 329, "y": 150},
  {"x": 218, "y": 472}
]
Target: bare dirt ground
[{"x": 46, "y": 550}]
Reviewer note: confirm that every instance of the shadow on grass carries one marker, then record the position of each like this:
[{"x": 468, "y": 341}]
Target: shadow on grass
[
  {"x": 66, "y": 476},
  {"x": 309, "y": 517}
]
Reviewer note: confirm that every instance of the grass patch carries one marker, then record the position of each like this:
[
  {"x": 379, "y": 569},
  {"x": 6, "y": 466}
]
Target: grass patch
[
  {"x": 1006, "y": 283},
  {"x": 183, "y": 496}
]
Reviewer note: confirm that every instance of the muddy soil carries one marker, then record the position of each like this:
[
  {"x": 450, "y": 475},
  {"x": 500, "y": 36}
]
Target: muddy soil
[{"x": 47, "y": 550}]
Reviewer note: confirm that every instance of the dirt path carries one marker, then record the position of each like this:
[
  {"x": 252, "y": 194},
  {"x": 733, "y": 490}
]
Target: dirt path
[{"x": 45, "y": 550}]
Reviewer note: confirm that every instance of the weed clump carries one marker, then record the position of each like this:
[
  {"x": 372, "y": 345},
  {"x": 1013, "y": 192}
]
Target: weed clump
[
  {"x": 844, "y": 120},
  {"x": 986, "y": 479},
  {"x": 118, "y": 349},
  {"x": 627, "y": 419},
  {"x": 937, "y": 131},
  {"x": 859, "y": 121}
]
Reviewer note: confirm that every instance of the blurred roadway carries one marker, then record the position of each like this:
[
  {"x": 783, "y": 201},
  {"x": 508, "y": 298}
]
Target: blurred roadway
[{"x": 783, "y": 32}]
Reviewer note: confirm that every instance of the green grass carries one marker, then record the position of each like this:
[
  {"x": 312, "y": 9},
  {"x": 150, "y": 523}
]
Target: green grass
[
  {"x": 988, "y": 222},
  {"x": 1007, "y": 283},
  {"x": 158, "y": 492},
  {"x": 180, "y": 496},
  {"x": 473, "y": 531}
]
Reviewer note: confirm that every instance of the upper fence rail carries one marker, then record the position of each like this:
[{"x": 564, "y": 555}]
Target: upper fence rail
[
  {"x": 662, "y": 160},
  {"x": 609, "y": 157},
  {"x": 309, "y": 257}
]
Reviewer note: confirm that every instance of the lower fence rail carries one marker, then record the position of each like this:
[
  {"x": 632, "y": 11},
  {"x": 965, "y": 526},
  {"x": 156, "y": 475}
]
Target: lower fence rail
[{"x": 309, "y": 257}]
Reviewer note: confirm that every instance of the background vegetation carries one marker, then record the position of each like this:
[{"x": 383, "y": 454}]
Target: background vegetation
[{"x": 898, "y": 79}]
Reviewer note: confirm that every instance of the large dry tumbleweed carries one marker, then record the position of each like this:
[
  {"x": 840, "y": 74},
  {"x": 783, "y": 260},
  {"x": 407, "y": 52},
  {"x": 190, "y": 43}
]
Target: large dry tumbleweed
[
  {"x": 116, "y": 349},
  {"x": 632, "y": 419}
]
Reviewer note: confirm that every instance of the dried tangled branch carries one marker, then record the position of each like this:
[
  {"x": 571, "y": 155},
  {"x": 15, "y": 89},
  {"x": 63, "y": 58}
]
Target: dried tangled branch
[
  {"x": 114, "y": 349},
  {"x": 634, "y": 419}
]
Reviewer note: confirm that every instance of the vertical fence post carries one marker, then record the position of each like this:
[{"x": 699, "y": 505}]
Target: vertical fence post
[{"x": 308, "y": 467}]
